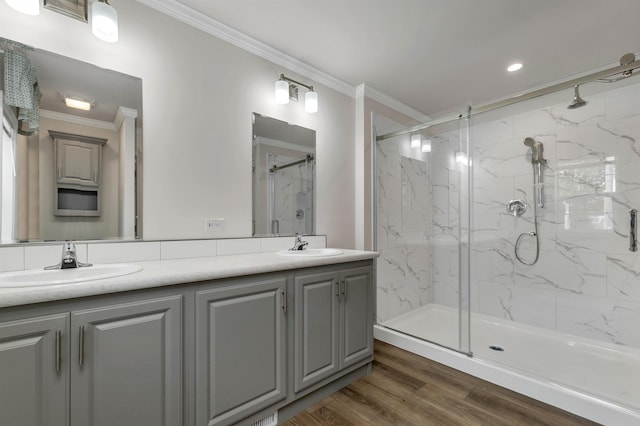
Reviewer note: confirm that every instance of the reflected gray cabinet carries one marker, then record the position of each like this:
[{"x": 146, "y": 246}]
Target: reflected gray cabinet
[
  {"x": 33, "y": 379},
  {"x": 333, "y": 323},
  {"x": 78, "y": 163},
  {"x": 78, "y": 158},
  {"x": 240, "y": 349}
]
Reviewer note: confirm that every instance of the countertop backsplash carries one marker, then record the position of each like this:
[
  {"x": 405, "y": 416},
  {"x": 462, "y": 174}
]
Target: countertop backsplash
[{"x": 17, "y": 258}]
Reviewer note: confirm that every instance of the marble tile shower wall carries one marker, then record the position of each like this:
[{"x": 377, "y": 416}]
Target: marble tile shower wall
[
  {"x": 293, "y": 199},
  {"x": 586, "y": 281},
  {"x": 404, "y": 198}
]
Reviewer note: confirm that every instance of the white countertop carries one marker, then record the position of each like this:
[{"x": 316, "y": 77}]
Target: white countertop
[{"x": 170, "y": 272}]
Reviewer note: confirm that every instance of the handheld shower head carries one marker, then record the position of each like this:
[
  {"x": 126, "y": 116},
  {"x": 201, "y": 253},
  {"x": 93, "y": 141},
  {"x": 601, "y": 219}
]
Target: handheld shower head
[
  {"x": 537, "y": 150},
  {"x": 577, "y": 101}
]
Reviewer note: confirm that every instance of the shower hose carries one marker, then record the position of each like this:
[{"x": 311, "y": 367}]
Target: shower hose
[{"x": 533, "y": 234}]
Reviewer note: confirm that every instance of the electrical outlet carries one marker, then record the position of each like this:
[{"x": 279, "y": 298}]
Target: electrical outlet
[{"x": 214, "y": 224}]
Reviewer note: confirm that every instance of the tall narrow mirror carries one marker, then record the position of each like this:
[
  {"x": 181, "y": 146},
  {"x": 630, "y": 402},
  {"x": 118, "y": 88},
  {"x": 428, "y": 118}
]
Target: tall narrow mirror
[
  {"x": 284, "y": 158},
  {"x": 39, "y": 170}
]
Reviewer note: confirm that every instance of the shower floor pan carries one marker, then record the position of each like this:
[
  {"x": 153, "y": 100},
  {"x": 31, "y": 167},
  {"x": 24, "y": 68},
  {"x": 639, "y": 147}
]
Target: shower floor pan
[{"x": 602, "y": 373}]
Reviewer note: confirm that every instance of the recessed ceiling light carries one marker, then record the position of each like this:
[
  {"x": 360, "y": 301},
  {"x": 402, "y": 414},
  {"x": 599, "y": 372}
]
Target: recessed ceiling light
[
  {"x": 514, "y": 67},
  {"x": 77, "y": 103}
]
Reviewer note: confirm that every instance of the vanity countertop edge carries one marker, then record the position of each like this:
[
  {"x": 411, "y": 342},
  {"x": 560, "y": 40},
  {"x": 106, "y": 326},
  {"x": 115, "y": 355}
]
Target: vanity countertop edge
[{"x": 176, "y": 271}]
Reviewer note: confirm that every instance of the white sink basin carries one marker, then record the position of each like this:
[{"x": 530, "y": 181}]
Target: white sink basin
[
  {"x": 41, "y": 277},
  {"x": 321, "y": 252}
]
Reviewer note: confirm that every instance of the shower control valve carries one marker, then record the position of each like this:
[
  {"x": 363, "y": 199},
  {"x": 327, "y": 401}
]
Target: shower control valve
[{"x": 516, "y": 207}]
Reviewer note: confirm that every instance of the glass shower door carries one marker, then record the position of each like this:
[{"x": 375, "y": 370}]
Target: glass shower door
[{"x": 422, "y": 223}]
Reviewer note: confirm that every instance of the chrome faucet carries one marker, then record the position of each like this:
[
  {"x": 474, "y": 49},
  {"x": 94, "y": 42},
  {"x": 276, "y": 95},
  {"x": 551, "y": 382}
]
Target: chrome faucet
[
  {"x": 299, "y": 244},
  {"x": 69, "y": 258}
]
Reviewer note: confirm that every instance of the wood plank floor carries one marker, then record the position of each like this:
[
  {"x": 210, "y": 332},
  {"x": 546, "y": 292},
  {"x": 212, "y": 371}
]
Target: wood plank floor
[{"x": 406, "y": 389}]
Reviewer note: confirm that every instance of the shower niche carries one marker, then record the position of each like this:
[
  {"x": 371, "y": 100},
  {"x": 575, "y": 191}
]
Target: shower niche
[{"x": 283, "y": 178}]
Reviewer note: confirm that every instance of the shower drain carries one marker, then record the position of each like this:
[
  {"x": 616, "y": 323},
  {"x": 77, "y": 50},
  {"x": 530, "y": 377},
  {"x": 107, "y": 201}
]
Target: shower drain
[{"x": 496, "y": 348}]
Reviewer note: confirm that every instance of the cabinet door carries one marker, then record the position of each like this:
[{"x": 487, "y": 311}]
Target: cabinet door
[
  {"x": 316, "y": 355},
  {"x": 34, "y": 371},
  {"x": 78, "y": 162},
  {"x": 357, "y": 315},
  {"x": 240, "y": 350},
  {"x": 127, "y": 366}
]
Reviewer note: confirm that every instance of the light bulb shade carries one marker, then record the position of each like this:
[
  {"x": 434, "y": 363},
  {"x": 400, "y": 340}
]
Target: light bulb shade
[
  {"x": 416, "y": 140},
  {"x": 104, "y": 22},
  {"x": 311, "y": 102},
  {"x": 28, "y": 7},
  {"x": 282, "y": 92},
  {"x": 426, "y": 145}
]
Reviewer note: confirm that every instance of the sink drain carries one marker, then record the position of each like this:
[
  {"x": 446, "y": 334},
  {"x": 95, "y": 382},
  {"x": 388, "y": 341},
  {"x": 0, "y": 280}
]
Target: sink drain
[{"x": 496, "y": 348}]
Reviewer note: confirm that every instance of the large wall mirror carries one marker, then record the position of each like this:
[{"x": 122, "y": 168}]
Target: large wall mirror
[
  {"x": 41, "y": 155},
  {"x": 284, "y": 157}
]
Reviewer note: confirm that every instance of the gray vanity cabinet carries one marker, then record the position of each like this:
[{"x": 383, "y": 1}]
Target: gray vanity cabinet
[
  {"x": 240, "y": 349},
  {"x": 127, "y": 363},
  {"x": 333, "y": 323},
  {"x": 34, "y": 381}
]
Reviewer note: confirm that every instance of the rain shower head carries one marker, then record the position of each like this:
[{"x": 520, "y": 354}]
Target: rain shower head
[
  {"x": 530, "y": 142},
  {"x": 577, "y": 101}
]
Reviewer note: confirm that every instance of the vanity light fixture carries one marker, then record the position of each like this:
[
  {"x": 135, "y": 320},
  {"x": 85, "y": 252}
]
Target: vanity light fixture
[
  {"x": 287, "y": 88},
  {"x": 311, "y": 101},
  {"x": 416, "y": 141},
  {"x": 28, "y": 7},
  {"x": 282, "y": 92},
  {"x": 426, "y": 145},
  {"x": 104, "y": 21}
]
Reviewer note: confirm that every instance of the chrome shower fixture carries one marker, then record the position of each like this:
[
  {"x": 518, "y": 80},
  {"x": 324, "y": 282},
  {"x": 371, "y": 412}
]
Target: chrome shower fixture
[
  {"x": 516, "y": 207},
  {"x": 537, "y": 161},
  {"x": 537, "y": 151},
  {"x": 577, "y": 101},
  {"x": 626, "y": 59}
]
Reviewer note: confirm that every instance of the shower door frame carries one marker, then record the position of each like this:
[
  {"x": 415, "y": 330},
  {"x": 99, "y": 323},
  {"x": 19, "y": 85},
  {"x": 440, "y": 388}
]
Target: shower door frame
[{"x": 464, "y": 246}]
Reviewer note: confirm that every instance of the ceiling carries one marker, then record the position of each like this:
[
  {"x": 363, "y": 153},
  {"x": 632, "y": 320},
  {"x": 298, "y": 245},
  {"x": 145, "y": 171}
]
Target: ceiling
[
  {"x": 437, "y": 56},
  {"x": 106, "y": 89}
]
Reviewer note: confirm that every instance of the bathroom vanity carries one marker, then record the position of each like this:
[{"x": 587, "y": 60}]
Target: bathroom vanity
[{"x": 207, "y": 341}]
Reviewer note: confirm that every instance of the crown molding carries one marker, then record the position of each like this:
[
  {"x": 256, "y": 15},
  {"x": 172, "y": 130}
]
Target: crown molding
[
  {"x": 122, "y": 113},
  {"x": 90, "y": 122},
  {"x": 363, "y": 90},
  {"x": 217, "y": 29}
]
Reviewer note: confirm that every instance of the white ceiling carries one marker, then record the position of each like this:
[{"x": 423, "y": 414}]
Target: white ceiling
[
  {"x": 107, "y": 89},
  {"x": 439, "y": 55}
]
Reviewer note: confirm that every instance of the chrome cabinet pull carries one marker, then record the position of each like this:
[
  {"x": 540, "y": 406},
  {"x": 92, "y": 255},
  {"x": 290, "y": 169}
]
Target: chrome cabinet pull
[
  {"x": 283, "y": 293},
  {"x": 81, "y": 347},
  {"x": 338, "y": 289},
  {"x": 58, "y": 350},
  {"x": 633, "y": 230},
  {"x": 344, "y": 289}
]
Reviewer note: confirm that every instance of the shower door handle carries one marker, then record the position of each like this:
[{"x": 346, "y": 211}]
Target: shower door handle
[{"x": 633, "y": 230}]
